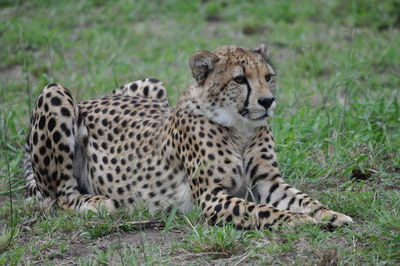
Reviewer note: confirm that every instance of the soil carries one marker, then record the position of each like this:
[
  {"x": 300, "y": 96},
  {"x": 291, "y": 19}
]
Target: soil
[{"x": 155, "y": 237}]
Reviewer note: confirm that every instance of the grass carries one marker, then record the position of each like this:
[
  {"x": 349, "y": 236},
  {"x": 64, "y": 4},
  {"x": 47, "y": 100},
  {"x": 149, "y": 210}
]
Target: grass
[{"x": 336, "y": 128}]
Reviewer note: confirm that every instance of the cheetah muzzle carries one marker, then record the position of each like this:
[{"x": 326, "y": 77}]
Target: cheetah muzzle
[{"x": 214, "y": 149}]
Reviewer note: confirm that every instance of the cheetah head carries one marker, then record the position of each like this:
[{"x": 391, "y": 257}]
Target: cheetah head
[{"x": 234, "y": 84}]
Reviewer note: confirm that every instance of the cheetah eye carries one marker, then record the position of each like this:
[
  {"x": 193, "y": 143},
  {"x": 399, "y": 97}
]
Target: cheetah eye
[
  {"x": 240, "y": 79},
  {"x": 269, "y": 76}
]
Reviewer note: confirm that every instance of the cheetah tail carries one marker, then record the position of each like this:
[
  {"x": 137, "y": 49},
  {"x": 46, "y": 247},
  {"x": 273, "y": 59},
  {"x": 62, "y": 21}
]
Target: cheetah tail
[{"x": 32, "y": 190}]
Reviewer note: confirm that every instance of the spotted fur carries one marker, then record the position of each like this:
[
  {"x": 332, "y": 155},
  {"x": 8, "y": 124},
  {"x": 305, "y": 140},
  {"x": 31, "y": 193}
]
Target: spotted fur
[{"x": 214, "y": 149}]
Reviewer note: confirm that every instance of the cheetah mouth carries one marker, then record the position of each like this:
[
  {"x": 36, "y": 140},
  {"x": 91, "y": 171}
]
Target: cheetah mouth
[
  {"x": 257, "y": 114},
  {"x": 245, "y": 113},
  {"x": 261, "y": 117}
]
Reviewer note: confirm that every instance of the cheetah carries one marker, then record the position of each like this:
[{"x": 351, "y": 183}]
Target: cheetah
[{"x": 213, "y": 150}]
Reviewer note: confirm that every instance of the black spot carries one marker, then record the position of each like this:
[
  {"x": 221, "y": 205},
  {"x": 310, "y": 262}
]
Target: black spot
[
  {"x": 214, "y": 218},
  {"x": 333, "y": 219},
  {"x": 221, "y": 170},
  {"x": 133, "y": 86},
  {"x": 65, "y": 129},
  {"x": 48, "y": 144},
  {"x": 51, "y": 85},
  {"x": 153, "y": 80},
  {"x": 65, "y": 112},
  {"x": 55, "y": 101},
  {"x": 94, "y": 158},
  {"x": 60, "y": 159},
  {"x": 116, "y": 203},
  {"x": 216, "y": 190},
  {"x": 46, "y": 161},
  {"x": 236, "y": 210},
  {"x": 42, "y": 122},
  {"x": 40, "y": 101},
  {"x": 42, "y": 150},
  {"x": 56, "y": 136},
  {"x": 160, "y": 94},
  {"x": 104, "y": 145},
  {"x": 51, "y": 124},
  {"x": 63, "y": 147},
  {"x": 109, "y": 177},
  {"x": 95, "y": 145},
  {"x": 35, "y": 138},
  {"x": 264, "y": 214},
  {"x": 146, "y": 91}
]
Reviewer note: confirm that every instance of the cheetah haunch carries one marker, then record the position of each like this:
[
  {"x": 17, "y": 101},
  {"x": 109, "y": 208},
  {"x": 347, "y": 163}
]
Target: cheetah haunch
[{"x": 214, "y": 149}]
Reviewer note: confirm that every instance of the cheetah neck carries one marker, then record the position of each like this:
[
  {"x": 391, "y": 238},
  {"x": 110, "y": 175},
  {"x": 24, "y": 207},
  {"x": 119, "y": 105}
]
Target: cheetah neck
[{"x": 225, "y": 116}]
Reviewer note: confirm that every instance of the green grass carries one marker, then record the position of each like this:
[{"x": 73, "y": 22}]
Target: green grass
[{"x": 337, "y": 125}]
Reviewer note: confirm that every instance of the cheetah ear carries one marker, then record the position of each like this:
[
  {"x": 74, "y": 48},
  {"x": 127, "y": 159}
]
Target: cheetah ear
[
  {"x": 262, "y": 50},
  {"x": 201, "y": 63}
]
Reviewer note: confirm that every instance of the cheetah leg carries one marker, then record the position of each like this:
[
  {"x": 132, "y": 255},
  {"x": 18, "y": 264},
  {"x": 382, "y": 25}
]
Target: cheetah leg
[
  {"x": 57, "y": 130},
  {"x": 32, "y": 190},
  {"x": 217, "y": 206},
  {"x": 270, "y": 188}
]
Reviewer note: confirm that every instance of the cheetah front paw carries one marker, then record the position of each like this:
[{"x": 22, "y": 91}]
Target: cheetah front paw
[
  {"x": 95, "y": 203},
  {"x": 106, "y": 204},
  {"x": 340, "y": 220},
  {"x": 335, "y": 219}
]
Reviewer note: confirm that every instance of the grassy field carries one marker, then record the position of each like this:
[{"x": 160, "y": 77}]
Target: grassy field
[{"x": 337, "y": 125}]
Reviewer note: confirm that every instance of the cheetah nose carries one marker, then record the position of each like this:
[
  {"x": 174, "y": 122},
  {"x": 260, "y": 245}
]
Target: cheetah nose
[{"x": 266, "y": 102}]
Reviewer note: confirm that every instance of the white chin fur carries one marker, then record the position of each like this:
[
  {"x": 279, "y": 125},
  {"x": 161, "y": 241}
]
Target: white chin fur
[
  {"x": 230, "y": 118},
  {"x": 271, "y": 109},
  {"x": 225, "y": 116}
]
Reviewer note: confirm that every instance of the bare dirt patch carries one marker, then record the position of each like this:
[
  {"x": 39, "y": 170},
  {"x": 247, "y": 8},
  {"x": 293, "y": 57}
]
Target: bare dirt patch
[{"x": 139, "y": 239}]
